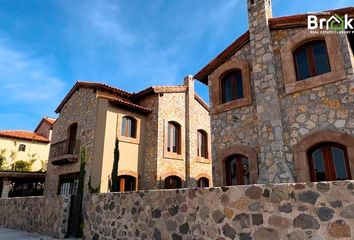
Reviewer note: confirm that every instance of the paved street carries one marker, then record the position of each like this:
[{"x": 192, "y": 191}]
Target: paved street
[{"x": 9, "y": 234}]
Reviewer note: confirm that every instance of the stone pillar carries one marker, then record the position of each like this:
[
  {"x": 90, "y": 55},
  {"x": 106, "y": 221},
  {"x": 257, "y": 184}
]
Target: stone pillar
[
  {"x": 189, "y": 100},
  {"x": 273, "y": 167},
  {"x": 5, "y": 189}
]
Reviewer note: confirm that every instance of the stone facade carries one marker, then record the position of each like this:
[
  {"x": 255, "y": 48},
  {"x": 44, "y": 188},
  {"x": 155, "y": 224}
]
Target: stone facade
[
  {"x": 44, "y": 215},
  {"x": 98, "y": 110},
  {"x": 81, "y": 109},
  {"x": 281, "y": 113},
  {"x": 321, "y": 211}
]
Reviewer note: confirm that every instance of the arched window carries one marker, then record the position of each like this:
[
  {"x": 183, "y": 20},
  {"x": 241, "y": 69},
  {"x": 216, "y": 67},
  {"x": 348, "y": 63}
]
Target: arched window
[
  {"x": 173, "y": 182},
  {"x": 311, "y": 59},
  {"x": 231, "y": 86},
  {"x": 126, "y": 183},
  {"x": 328, "y": 162},
  {"x": 72, "y": 132},
  {"x": 203, "y": 182},
  {"x": 351, "y": 41},
  {"x": 174, "y": 137},
  {"x": 237, "y": 170},
  {"x": 129, "y": 127},
  {"x": 202, "y": 144},
  {"x": 22, "y": 148}
]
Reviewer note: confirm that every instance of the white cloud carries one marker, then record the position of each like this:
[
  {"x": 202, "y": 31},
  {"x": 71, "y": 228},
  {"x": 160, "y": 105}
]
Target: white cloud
[{"x": 26, "y": 77}]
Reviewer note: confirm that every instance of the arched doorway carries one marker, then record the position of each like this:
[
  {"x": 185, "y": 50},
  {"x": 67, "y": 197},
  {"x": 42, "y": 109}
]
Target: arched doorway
[
  {"x": 203, "y": 182},
  {"x": 126, "y": 183},
  {"x": 172, "y": 182},
  {"x": 318, "y": 147},
  {"x": 328, "y": 162},
  {"x": 237, "y": 170}
]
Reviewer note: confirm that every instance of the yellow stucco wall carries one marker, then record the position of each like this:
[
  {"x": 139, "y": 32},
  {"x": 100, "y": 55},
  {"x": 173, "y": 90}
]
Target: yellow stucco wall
[
  {"x": 130, "y": 150},
  {"x": 12, "y": 154}
]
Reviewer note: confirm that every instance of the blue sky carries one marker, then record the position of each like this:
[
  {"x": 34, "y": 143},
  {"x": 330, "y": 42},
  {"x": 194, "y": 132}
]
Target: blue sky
[{"x": 46, "y": 46}]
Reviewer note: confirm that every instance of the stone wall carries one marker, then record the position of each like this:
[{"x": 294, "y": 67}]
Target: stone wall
[
  {"x": 276, "y": 121},
  {"x": 80, "y": 109},
  {"x": 320, "y": 211},
  {"x": 43, "y": 215}
]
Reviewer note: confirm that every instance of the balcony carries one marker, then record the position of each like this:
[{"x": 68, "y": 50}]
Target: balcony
[{"x": 64, "y": 153}]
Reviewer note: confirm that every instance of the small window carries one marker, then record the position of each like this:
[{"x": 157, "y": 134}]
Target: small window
[
  {"x": 68, "y": 184},
  {"x": 173, "y": 182},
  {"x": 126, "y": 183},
  {"x": 237, "y": 170},
  {"x": 129, "y": 127},
  {"x": 232, "y": 86},
  {"x": 22, "y": 148},
  {"x": 328, "y": 162},
  {"x": 203, "y": 182},
  {"x": 174, "y": 137},
  {"x": 311, "y": 59},
  {"x": 351, "y": 41},
  {"x": 202, "y": 144}
]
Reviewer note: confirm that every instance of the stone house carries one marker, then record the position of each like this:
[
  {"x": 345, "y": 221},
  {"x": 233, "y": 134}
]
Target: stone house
[
  {"x": 282, "y": 102},
  {"x": 163, "y": 134},
  {"x": 24, "y": 155}
]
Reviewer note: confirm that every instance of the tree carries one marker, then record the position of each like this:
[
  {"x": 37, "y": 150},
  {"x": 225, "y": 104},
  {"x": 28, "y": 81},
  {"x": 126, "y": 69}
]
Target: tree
[
  {"x": 83, "y": 160},
  {"x": 114, "y": 187},
  {"x": 3, "y": 160}
]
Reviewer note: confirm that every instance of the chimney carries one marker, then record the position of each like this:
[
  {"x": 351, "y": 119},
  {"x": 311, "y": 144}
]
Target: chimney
[
  {"x": 273, "y": 167},
  {"x": 190, "y": 134}
]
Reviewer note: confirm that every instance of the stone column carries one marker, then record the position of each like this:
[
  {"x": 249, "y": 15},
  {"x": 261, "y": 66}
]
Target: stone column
[
  {"x": 189, "y": 100},
  {"x": 5, "y": 189},
  {"x": 273, "y": 167}
]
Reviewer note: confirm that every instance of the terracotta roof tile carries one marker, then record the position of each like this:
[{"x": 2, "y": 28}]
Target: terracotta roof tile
[
  {"x": 23, "y": 135},
  {"x": 130, "y": 97},
  {"x": 202, "y": 102},
  {"x": 126, "y": 104},
  {"x": 48, "y": 120}
]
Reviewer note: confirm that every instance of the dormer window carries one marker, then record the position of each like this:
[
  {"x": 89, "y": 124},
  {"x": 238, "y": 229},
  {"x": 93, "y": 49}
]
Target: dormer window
[
  {"x": 311, "y": 59},
  {"x": 232, "y": 86}
]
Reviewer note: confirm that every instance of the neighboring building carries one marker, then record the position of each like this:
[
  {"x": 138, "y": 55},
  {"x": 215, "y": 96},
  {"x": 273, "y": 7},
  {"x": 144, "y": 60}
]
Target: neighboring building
[
  {"x": 282, "y": 102},
  {"x": 163, "y": 133},
  {"x": 22, "y": 153}
]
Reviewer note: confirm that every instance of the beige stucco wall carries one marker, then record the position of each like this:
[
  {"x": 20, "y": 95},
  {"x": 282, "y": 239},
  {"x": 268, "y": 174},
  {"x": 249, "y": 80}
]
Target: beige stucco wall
[
  {"x": 41, "y": 151},
  {"x": 130, "y": 150}
]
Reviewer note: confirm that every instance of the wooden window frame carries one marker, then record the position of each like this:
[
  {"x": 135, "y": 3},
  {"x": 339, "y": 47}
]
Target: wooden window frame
[
  {"x": 351, "y": 41},
  {"x": 334, "y": 54},
  {"x": 202, "y": 140},
  {"x": 132, "y": 133},
  {"x": 233, "y": 83},
  {"x": 174, "y": 127},
  {"x": 72, "y": 136},
  {"x": 180, "y": 140},
  {"x": 138, "y": 124},
  {"x": 122, "y": 179},
  {"x": 308, "y": 46},
  {"x": 239, "y": 169},
  {"x": 329, "y": 164},
  {"x": 216, "y": 87}
]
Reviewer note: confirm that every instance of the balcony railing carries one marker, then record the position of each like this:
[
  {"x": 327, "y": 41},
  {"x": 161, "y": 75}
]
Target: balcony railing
[{"x": 64, "y": 152}]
